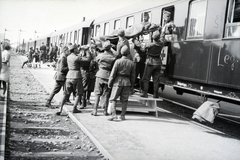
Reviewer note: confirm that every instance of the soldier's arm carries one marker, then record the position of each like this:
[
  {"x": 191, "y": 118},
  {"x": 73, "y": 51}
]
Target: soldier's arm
[
  {"x": 113, "y": 75},
  {"x": 132, "y": 78},
  {"x": 63, "y": 65}
]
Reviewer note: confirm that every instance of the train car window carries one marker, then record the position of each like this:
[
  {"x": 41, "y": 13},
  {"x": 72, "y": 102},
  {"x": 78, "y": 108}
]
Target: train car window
[
  {"x": 70, "y": 37},
  {"x": 196, "y": 21},
  {"x": 167, "y": 15},
  {"x": 97, "y": 33},
  {"x": 146, "y": 17},
  {"x": 78, "y": 41},
  {"x": 130, "y": 21},
  {"x": 106, "y": 29},
  {"x": 117, "y": 24},
  {"x": 57, "y": 39},
  {"x": 75, "y": 36},
  {"x": 67, "y": 38},
  {"x": 233, "y": 19}
]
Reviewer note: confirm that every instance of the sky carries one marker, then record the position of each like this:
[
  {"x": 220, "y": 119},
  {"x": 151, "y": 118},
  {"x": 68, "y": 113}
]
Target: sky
[{"x": 45, "y": 16}]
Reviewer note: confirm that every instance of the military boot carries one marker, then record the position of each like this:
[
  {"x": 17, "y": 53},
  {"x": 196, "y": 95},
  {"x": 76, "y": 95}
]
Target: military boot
[
  {"x": 124, "y": 109},
  {"x": 155, "y": 90},
  {"x": 145, "y": 90},
  {"x": 48, "y": 103},
  {"x": 114, "y": 115},
  {"x": 97, "y": 99}
]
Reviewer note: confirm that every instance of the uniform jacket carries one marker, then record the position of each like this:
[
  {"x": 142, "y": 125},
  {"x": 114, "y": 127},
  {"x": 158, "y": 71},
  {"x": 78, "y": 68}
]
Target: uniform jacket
[
  {"x": 105, "y": 62},
  {"x": 153, "y": 53},
  {"x": 123, "y": 73},
  {"x": 121, "y": 42},
  {"x": 62, "y": 68},
  {"x": 74, "y": 63},
  {"x": 43, "y": 48}
]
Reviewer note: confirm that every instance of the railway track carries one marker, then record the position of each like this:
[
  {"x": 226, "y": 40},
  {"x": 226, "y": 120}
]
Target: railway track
[
  {"x": 34, "y": 131},
  {"x": 221, "y": 124}
]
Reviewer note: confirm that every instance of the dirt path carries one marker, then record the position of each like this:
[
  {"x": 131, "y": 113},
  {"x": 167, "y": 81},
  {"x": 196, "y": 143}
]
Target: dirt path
[{"x": 34, "y": 131}]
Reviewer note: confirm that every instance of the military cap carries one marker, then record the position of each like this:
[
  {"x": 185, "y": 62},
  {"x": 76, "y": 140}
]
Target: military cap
[
  {"x": 125, "y": 50},
  {"x": 107, "y": 45},
  {"x": 121, "y": 32},
  {"x": 71, "y": 47}
]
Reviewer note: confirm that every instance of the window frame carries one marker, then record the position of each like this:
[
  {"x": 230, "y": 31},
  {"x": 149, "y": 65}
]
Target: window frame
[
  {"x": 106, "y": 28},
  {"x": 115, "y": 26},
  {"x": 98, "y": 30},
  {"x": 150, "y": 16},
  {"x": 127, "y": 21},
  {"x": 189, "y": 24},
  {"x": 229, "y": 21}
]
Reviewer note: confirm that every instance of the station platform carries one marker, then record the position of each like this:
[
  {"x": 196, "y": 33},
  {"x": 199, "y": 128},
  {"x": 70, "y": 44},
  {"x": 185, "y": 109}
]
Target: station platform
[{"x": 143, "y": 135}]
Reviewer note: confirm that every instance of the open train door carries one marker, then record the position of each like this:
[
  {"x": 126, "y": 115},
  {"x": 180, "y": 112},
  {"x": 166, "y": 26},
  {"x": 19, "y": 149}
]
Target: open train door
[{"x": 85, "y": 36}]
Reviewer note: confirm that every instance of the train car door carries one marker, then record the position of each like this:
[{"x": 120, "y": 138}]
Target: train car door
[{"x": 85, "y": 36}]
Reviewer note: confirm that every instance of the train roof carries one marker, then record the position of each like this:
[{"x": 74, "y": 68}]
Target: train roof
[
  {"x": 83, "y": 24},
  {"x": 137, "y": 7}
]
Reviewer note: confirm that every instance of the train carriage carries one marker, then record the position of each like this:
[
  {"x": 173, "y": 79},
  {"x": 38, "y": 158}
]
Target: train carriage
[
  {"x": 204, "y": 57},
  {"x": 201, "y": 57},
  {"x": 76, "y": 34}
]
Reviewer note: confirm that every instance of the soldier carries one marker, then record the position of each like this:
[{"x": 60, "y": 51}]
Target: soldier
[
  {"x": 74, "y": 78},
  {"x": 60, "y": 76},
  {"x": 139, "y": 59},
  {"x": 121, "y": 81},
  {"x": 30, "y": 56},
  {"x": 84, "y": 52},
  {"x": 105, "y": 62},
  {"x": 43, "y": 50},
  {"x": 153, "y": 65},
  {"x": 121, "y": 42},
  {"x": 168, "y": 26}
]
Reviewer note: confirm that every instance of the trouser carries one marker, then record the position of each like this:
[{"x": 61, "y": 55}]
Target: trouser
[
  {"x": 101, "y": 90},
  {"x": 57, "y": 87},
  {"x": 139, "y": 70},
  {"x": 123, "y": 92},
  {"x": 85, "y": 82},
  {"x": 154, "y": 71},
  {"x": 25, "y": 62}
]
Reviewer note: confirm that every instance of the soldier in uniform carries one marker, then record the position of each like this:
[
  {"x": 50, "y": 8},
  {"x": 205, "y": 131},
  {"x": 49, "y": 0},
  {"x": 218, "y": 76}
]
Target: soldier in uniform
[
  {"x": 74, "y": 78},
  {"x": 60, "y": 76},
  {"x": 168, "y": 26},
  {"x": 121, "y": 42},
  {"x": 84, "y": 52},
  {"x": 30, "y": 57},
  {"x": 43, "y": 50},
  {"x": 152, "y": 65},
  {"x": 121, "y": 81},
  {"x": 105, "y": 62}
]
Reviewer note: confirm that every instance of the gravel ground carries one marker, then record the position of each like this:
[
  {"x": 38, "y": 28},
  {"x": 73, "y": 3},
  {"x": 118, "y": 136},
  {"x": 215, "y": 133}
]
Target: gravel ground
[{"x": 34, "y": 131}]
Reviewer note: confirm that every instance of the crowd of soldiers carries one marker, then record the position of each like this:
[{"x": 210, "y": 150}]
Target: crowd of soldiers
[
  {"x": 108, "y": 70},
  {"x": 41, "y": 55}
]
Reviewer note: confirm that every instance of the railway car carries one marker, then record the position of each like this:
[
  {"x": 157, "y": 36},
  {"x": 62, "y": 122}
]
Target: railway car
[
  {"x": 201, "y": 57},
  {"x": 76, "y": 34},
  {"x": 204, "y": 57},
  {"x": 36, "y": 43},
  {"x": 79, "y": 34}
]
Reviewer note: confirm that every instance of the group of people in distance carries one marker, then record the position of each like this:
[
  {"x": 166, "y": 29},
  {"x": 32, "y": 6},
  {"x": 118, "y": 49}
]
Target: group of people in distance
[
  {"x": 43, "y": 54},
  {"x": 110, "y": 71}
]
